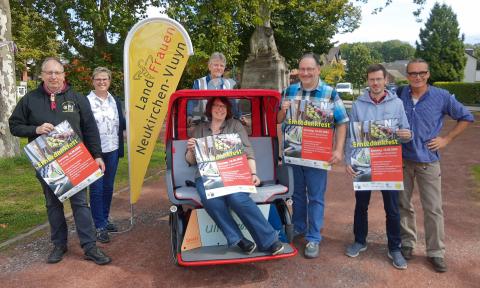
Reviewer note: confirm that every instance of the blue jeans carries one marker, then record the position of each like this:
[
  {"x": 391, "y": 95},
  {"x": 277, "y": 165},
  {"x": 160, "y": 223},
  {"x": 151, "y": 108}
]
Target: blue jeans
[
  {"x": 101, "y": 191},
  {"x": 309, "y": 201},
  {"x": 360, "y": 222},
  {"x": 248, "y": 212}
]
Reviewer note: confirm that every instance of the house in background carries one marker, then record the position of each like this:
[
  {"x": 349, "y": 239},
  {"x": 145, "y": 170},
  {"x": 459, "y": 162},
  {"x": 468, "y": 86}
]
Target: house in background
[{"x": 471, "y": 74}]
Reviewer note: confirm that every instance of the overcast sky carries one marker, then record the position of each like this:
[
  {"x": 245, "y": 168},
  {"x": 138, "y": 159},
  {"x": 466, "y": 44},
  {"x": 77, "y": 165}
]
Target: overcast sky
[{"x": 397, "y": 21}]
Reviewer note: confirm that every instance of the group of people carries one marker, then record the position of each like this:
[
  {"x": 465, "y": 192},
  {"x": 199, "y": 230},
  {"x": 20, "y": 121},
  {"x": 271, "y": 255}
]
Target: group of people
[
  {"x": 419, "y": 108},
  {"x": 99, "y": 121}
]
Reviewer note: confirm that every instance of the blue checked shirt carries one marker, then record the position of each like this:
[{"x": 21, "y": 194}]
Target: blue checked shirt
[
  {"x": 426, "y": 120},
  {"x": 323, "y": 91}
]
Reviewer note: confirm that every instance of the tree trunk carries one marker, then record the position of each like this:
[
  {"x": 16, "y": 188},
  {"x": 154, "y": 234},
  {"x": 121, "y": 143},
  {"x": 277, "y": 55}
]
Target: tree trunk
[{"x": 9, "y": 146}]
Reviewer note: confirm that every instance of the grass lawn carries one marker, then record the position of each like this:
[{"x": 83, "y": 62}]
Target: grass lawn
[
  {"x": 476, "y": 177},
  {"x": 22, "y": 205}
]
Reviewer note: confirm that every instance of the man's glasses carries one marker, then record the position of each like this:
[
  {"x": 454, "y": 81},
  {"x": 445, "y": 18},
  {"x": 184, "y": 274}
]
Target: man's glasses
[
  {"x": 50, "y": 73},
  {"x": 308, "y": 70},
  {"x": 422, "y": 74}
]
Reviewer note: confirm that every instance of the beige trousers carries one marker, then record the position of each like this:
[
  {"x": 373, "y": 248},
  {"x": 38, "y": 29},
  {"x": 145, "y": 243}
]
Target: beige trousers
[{"x": 428, "y": 177}]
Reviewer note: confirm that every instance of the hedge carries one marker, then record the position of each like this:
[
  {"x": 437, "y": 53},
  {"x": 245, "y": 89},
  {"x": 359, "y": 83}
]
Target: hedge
[{"x": 467, "y": 93}]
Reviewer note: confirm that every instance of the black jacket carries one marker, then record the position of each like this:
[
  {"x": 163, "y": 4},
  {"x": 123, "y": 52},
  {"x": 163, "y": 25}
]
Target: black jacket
[{"x": 34, "y": 109}]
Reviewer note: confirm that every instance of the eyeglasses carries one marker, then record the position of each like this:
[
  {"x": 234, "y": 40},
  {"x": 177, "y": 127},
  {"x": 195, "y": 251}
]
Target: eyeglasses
[
  {"x": 422, "y": 74},
  {"x": 101, "y": 79},
  {"x": 308, "y": 70},
  {"x": 219, "y": 106},
  {"x": 50, "y": 73}
]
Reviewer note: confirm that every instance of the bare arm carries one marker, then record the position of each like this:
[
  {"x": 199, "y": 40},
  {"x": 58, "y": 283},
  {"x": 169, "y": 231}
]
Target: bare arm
[
  {"x": 253, "y": 169},
  {"x": 340, "y": 134}
]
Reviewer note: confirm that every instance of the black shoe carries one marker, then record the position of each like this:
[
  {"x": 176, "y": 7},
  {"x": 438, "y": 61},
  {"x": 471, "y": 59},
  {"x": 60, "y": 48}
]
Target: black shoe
[
  {"x": 276, "y": 248},
  {"x": 111, "y": 227},
  {"x": 97, "y": 256},
  {"x": 102, "y": 236},
  {"x": 438, "y": 264},
  {"x": 57, "y": 254},
  {"x": 407, "y": 252},
  {"x": 247, "y": 246}
]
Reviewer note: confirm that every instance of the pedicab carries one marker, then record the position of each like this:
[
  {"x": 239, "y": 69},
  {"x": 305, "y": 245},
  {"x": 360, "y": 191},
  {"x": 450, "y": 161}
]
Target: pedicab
[{"x": 195, "y": 239}]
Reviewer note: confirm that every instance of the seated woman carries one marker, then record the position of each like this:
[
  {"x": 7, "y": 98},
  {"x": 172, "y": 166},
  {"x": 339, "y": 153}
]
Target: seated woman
[{"x": 219, "y": 113}]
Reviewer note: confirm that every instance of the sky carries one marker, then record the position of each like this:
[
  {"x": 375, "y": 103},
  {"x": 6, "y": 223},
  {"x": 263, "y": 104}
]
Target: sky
[{"x": 397, "y": 21}]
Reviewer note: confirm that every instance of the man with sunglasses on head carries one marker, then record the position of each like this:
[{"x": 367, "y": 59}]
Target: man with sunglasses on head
[{"x": 426, "y": 106}]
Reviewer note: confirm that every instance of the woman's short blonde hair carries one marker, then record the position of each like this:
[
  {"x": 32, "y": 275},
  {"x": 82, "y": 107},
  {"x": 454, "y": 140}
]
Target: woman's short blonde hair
[{"x": 102, "y": 70}]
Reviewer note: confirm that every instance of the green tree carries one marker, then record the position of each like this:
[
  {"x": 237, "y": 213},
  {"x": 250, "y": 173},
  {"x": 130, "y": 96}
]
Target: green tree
[
  {"x": 332, "y": 74},
  {"x": 227, "y": 25},
  {"x": 358, "y": 57},
  {"x": 92, "y": 33},
  {"x": 34, "y": 36},
  {"x": 441, "y": 45}
]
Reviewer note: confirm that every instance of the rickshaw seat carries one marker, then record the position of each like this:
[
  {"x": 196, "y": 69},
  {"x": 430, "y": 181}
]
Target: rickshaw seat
[{"x": 270, "y": 189}]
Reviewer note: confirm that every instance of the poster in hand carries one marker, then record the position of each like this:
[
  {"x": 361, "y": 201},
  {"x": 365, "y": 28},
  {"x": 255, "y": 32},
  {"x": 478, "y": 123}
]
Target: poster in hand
[
  {"x": 308, "y": 133},
  {"x": 223, "y": 165},
  {"x": 376, "y": 155},
  {"x": 63, "y": 161}
]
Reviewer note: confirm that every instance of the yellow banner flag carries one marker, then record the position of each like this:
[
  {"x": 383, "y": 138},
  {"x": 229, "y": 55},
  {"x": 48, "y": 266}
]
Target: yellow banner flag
[{"x": 155, "y": 54}]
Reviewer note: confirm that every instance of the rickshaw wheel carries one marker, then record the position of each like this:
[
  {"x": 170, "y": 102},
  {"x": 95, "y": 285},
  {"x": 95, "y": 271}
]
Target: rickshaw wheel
[
  {"x": 286, "y": 218},
  {"x": 176, "y": 232}
]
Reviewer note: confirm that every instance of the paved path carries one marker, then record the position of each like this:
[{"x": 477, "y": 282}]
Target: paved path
[{"x": 141, "y": 257}]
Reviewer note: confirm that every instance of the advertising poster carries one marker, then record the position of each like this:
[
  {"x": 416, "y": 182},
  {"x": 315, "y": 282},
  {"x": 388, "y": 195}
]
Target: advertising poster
[
  {"x": 223, "y": 165},
  {"x": 308, "y": 136},
  {"x": 376, "y": 155},
  {"x": 63, "y": 161}
]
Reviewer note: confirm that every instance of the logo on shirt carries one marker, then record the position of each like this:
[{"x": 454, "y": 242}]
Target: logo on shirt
[{"x": 68, "y": 106}]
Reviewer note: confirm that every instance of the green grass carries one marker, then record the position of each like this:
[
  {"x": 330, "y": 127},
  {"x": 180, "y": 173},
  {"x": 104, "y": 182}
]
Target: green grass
[{"x": 22, "y": 204}]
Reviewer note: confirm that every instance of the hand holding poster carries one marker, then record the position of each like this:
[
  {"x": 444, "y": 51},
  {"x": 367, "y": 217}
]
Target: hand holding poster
[
  {"x": 376, "y": 155},
  {"x": 63, "y": 161},
  {"x": 308, "y": 135},
  {"x": 223, "y": 165}
]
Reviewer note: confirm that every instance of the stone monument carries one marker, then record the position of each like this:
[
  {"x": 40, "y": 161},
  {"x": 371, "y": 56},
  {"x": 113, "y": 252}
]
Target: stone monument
[{"x": 264, "y": 68}]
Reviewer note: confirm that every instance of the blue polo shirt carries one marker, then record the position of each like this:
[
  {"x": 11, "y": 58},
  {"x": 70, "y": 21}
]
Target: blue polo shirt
[
  {"x": 322, "y": 91},
  {"x": 426, "y": 120}
]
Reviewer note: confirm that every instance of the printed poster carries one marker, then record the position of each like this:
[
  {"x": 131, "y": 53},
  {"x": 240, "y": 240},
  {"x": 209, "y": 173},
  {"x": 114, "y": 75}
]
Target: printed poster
[
  {"x": 63, "y": 161},
  {"x": 223, "y": 165},
  {"x": 308, "y": 133},
  {"x": 376, "y": 155}
]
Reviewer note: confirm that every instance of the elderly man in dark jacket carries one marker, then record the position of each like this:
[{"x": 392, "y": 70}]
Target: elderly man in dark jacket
[{"x": 37, "y": 113}]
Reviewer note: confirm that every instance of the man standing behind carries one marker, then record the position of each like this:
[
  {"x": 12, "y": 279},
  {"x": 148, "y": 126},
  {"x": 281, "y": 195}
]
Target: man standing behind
[
  {"x": 38, "y": 113},
  {"x": 377, "y": 104},
  {"x": 311, "y": 183},
  {"x": 426, "y": 107},
  {"x": 215, "y": 80}
]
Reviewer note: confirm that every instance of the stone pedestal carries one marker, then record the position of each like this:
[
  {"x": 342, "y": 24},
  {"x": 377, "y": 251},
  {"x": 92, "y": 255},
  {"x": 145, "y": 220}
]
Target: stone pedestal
[{"x": 265, "y": 72}]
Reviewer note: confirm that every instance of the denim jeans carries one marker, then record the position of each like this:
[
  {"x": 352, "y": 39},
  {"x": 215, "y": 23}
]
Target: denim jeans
[
  {"x": 81, "y": 215},
  {"x": 101, "y": 191},
  {"x": 248, "y": 212},
  {"x": 360, "y": 222},
  {"x": 309, "y": 201}
]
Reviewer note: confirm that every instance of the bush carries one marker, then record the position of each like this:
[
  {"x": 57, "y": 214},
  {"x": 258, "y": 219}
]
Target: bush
[{"x": 467, "y": 93}]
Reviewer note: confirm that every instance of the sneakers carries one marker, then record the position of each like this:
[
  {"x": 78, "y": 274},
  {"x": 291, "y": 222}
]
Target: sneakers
[
  {"x": 96, "y": 255},
  {"x": 438, "y": 264},
  {"x": 111, "y": 227},
  {"x": 407, "y": 252},
  {"x": 276, "y": 248},
  {"x": 397, "y": 260},
  {"x": 311, "y": 250},
  {"x": 247, "y": 246},
  {"x": 57, "y": 254},
  {"x": 102, "y": 235},
  {"x": 355, "y": 249}
]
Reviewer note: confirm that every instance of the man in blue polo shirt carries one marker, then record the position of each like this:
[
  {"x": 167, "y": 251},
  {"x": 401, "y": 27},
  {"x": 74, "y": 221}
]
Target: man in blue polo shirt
[
  {"x": 311, "y": 183},
  {"x": 426, "y": 107}
]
